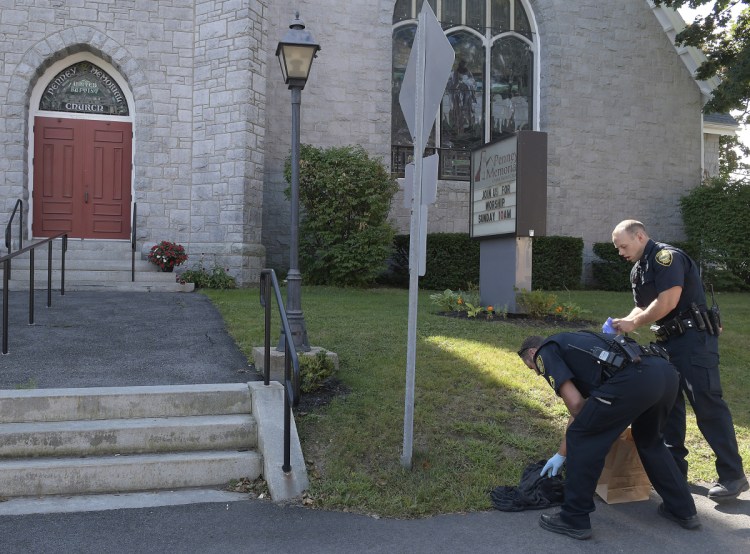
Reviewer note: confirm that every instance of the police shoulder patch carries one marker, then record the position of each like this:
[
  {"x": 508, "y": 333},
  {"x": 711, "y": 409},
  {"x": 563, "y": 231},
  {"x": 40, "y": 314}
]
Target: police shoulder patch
[
  {"x": 664, "y": 257},
  {"x": 539, "y": 364}
]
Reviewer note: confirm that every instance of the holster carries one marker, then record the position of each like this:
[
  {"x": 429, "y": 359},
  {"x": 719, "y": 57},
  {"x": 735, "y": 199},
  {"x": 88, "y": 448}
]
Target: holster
[
  {"x": 669, "y": 329},
  {"x": 714, "y": 316}
]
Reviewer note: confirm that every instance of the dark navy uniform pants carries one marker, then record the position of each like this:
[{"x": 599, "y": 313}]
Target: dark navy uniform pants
[
  {"x": 696, "y": 357},
  {"x": 641, "y": 395}
]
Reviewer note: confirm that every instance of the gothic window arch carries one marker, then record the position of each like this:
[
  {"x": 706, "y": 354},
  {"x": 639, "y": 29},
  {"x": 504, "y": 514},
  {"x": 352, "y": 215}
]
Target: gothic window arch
[{"x": 490, "y": 91}]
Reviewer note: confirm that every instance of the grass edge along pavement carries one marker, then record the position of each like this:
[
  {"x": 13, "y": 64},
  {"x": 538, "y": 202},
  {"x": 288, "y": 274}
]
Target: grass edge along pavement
[{"x": 479, "y": 415}]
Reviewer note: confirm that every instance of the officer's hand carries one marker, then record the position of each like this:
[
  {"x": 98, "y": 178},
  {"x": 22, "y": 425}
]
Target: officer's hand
[
  {"x": 623, "y": 325},
  {"x": 553, "y": 465}
]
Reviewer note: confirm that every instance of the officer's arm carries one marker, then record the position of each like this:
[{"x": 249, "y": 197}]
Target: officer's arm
[
  {"x": 572, "y": 397},
  {"x": 660, "y": 307},
  {"x": 574, "y": 402}
]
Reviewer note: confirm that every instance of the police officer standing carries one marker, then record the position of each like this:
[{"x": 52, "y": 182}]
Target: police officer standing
[
  {"x": 608, "y": 382},
  {"x": 667, "y": 290}
]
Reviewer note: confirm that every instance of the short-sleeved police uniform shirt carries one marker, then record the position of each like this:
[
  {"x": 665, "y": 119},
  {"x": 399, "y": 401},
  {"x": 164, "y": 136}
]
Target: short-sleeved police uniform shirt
[
  {"x": 566, "y": 356},
  {"x": 662, "y": 267}
]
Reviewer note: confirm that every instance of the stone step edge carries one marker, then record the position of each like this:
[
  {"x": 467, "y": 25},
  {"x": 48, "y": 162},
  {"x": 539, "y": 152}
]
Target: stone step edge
[
  {"x": 137, "y": 472},
  {"x": 127, "y": 436},
  {"x": 102, "y": 403}
]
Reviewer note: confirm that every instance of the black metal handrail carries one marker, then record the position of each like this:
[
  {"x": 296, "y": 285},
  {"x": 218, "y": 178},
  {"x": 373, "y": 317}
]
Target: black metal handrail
[
  {"x": 291, "y": 362},
  {"x": 9, "y": 227},
  {"x": 19, "y": 204},
  {"x": 5, "y": 260},
  {"x": 133, "y": 234}
]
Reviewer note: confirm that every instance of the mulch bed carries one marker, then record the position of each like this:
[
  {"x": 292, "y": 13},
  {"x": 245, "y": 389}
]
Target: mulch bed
[
  {"x": 526, "y": 320},
  {"x": 330, "y": 389}
]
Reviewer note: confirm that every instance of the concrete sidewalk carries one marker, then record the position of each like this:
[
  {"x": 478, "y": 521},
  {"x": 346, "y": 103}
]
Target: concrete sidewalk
[{"x": 91, "y": 339}]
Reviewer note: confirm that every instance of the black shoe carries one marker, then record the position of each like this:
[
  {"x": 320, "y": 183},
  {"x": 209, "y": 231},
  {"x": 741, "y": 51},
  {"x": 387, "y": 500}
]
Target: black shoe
[
  {"x": 552, "y": 522},
  {"x": 692, "y": 522},
  {"x": 728, "y": 490}
]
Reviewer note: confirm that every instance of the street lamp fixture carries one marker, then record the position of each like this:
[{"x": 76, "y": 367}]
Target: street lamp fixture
[{"x": 295, "y": 52}]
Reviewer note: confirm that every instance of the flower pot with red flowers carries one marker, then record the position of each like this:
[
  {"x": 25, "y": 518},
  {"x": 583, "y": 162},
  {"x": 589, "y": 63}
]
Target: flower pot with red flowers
[{"x": 167, "y": 255}]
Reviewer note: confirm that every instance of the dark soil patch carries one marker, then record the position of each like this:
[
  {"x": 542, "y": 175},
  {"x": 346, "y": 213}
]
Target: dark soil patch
[{"x": 330, "y": 389}]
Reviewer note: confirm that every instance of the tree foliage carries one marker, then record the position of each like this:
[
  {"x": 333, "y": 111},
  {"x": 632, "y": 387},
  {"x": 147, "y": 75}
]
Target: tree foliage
[
  {"x": 345, "y": 197},
  {"x": 731, "y": 155},
  {"x": 725, "y": 40}
]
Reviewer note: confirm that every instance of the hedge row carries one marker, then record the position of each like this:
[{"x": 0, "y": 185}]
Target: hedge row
[{"x": 453, "y": 262}]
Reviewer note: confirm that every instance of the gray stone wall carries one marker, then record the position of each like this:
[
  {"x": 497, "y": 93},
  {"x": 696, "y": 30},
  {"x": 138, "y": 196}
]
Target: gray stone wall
[
  {"x": 228, "y": 130},
  {"x": 623, "y": 118},
  {"x": 212, "y": 118}
]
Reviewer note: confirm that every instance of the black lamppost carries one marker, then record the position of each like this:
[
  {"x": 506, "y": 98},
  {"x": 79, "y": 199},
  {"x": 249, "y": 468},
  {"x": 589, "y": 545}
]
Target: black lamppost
[{"x": 295, "y": 52}]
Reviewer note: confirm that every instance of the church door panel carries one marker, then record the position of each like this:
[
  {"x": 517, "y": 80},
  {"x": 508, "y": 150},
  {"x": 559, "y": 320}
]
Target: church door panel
[
  {"x": 82, "y": 178},
  {"x": 58, "y": 164},
  {"x": 107, "y": 180}
]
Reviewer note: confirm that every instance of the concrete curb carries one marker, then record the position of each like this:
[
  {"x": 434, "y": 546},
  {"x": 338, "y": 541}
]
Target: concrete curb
[{"x": 268, "y": 409}]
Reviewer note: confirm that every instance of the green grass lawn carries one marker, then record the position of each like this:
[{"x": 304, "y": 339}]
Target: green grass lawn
[{"x": 479, "y": 415}]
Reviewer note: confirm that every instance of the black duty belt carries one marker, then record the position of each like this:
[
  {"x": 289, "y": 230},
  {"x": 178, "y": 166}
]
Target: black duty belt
[
  {"x": 621, "y": 353},
  {"x": 675, "y": 327}
]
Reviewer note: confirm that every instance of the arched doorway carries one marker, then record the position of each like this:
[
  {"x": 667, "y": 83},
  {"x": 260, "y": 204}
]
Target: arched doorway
[{"x": 82, "y": 153}]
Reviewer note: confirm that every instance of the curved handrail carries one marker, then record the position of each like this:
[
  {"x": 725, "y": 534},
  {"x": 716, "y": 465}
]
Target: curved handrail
[
  {"x": 291, "y": 361},
  {"x": 19, "y": 203}
]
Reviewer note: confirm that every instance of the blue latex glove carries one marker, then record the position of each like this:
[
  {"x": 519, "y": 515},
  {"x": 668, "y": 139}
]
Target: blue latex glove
[
  {"x": 553, "y": 465},
  {"x": 607, "y": 327}
]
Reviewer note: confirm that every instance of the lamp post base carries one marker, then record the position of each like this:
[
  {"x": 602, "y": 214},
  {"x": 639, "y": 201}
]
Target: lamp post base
[{"x": 299, "y": 333}]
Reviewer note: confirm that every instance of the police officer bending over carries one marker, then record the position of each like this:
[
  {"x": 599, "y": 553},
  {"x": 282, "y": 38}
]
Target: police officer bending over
[
  {"x": 667, "y": 290},
  {"x": 608, "y": 382}
]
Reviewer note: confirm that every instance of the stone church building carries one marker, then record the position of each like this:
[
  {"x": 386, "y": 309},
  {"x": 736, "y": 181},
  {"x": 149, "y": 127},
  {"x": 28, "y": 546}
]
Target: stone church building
[{"x": 176, "y": 111}]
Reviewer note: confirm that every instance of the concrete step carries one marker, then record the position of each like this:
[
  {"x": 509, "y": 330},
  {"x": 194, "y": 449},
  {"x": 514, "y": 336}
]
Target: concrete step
[
  {"x": 108, "y": 439},
  {"x": 127, "y": 436},
  {"x": 73, "y": 275},
  {"x": 72, "y": 264},
  {"x": 37, "y": 405},
  {"x": 50, "y": 476},
  {"x": 93, "y": 265},
  {"x": 138, "y": 286},
  {"x": 105, "y": 440}
]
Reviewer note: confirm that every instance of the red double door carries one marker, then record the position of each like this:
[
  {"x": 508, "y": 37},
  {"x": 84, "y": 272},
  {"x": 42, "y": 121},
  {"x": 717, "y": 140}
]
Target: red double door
[{"x": 82, "y": 173}]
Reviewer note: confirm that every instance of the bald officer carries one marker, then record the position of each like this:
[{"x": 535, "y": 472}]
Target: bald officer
[{"x": 668, "y": 292}]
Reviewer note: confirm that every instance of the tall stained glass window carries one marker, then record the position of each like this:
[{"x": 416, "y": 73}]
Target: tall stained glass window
[{"x": 491, "y": 87}]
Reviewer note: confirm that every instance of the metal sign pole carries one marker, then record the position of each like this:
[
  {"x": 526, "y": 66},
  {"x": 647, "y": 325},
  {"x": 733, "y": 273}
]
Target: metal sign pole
[{"x": 414, "y": 254}]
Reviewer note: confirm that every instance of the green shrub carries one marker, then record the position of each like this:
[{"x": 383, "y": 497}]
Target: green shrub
[
  {"x": 214, "y": 278},
  {"x": 314, "y": 371},
  {"x": 536, "y": 303},
  {"x": 446, "y": 301},
  {"x": 452, "y": 262},
  {"x": 557, "y": 263},
  {"x": 461, "y": 301},
  {"x": 345, "y": 197},
  {"x": 716, "y": 218}
]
